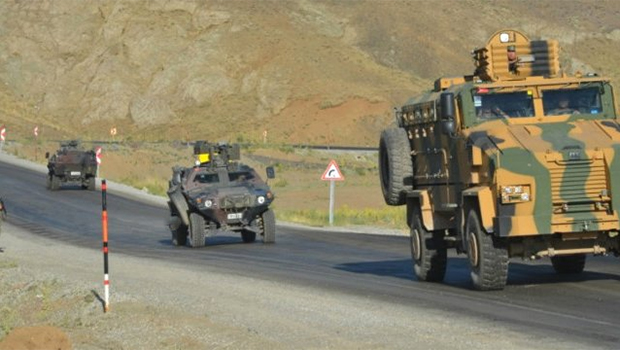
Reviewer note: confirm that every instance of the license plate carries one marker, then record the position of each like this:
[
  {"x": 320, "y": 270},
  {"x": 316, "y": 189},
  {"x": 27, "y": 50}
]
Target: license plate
[
  {"x": 76, "y": 173},
  {"x": 233, "y": 216}
]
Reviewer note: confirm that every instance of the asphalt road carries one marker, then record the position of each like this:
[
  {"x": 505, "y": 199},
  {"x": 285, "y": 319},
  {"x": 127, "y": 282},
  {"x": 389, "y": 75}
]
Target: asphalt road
[{"x": 583, "y": 309}]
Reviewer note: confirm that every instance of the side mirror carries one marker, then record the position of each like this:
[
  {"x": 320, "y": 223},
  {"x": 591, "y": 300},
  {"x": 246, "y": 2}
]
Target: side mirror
[
  {"x": 271, "y": 173},
  {"x": 446, "y": 101},
  {"x": 47, "y": 155}
]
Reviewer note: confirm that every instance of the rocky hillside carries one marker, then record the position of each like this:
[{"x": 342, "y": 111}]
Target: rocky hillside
[{"x": 303, "y": 71}]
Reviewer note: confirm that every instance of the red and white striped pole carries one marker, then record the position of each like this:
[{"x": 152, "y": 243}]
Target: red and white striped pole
[{"x": 104, "y": 223}]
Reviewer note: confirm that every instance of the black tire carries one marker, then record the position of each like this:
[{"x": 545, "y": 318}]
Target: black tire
[
  {"x": 488, "y": 258},
  {"x": 569, "y": 264},
  {"x": 248, "y": 236},
  {"x": 268, "y": 226},
  {"x": 92, "y": 184},
  {"x": 395, "y": 165},
  {"x": 428, "y": 251},
  {"x": 55, "y": 183},
  {"x": 196, "y": 230},
  {"x": 178, "y": 231},
  {"x": 48, "y": 182}
]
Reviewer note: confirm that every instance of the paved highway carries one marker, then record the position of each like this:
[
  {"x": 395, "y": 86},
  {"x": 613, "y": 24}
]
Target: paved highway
[{"x": 583, "y": 309}]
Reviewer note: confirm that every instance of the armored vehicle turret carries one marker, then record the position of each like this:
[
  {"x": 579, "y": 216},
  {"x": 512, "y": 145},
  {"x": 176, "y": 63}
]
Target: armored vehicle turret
[
  {"x": 71, "y": 164},
  {"x": 516, "y": 160},
  {"x": 219, "y": 194}
]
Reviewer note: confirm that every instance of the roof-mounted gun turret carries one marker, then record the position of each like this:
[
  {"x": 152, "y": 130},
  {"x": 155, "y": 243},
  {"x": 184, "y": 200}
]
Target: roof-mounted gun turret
[
  {"x": 510, "y": 55},
  {"x": 216, "y": 155}
]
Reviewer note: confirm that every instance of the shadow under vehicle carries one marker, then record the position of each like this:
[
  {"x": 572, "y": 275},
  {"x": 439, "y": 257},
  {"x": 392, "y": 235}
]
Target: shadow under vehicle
[
  {"x": 219, "y": 194},
  {"x": 71, "y": 164},
  {"x": 516, "y": 160}
]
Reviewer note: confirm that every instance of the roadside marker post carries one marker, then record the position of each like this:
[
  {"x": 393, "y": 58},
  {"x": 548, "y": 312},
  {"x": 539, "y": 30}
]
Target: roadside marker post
[
  {"x": 332, "y": 174},
  {"x": 104, "y": 224}
]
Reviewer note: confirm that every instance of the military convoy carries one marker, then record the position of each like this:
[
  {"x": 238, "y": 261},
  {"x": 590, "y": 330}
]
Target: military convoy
[
  {"x": 71, "y": 164},
  {"x": 219, "y": 194},
  {"x": 515, "y": 160}
]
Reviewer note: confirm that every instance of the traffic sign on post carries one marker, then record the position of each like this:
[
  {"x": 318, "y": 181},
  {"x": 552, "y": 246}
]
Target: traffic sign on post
[{"x": 332, "y": 173}]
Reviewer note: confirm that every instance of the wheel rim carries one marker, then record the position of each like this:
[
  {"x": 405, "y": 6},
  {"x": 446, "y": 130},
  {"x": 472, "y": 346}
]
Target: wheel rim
[
  {"x": 416, "y": 244},
  {"x": 473, "y": 249}
]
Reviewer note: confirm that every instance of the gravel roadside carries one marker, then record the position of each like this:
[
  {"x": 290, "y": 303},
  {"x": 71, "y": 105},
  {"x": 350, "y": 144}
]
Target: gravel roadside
[{"x": 158, "y": 305}]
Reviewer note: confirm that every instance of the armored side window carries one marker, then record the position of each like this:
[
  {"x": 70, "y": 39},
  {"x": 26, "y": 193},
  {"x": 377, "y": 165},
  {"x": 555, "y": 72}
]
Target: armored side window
[{"x": 207, "y": 178}]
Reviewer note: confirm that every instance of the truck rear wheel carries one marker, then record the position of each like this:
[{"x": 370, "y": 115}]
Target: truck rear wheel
[
  {"x": 428, "y": 251},
  {"x": 92, "y": 184},
  {"x": 55, "y": 183},
  {"x": 268, "y": 226},
  {"x": 488, "y": 258},
  {"x": 569, "y": 264},
  {"x": 395, "y": 165},
  {"x": 248, "y": 236},
  {"x": 178, "y": 231},
  {"x": 196, "y": 230}
]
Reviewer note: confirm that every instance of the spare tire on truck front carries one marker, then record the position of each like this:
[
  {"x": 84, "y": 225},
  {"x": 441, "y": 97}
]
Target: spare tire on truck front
[{"x": 395, "y": 165}]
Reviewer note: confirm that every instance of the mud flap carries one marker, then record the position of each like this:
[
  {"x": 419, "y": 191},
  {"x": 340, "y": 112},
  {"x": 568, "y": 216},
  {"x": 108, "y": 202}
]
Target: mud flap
[{"x": 176, "y": 197}]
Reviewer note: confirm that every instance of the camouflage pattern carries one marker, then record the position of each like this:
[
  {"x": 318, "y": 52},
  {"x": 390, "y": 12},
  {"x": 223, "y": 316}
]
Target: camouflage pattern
[
  {"x": 72, "y": 164},
  {"x": 219, "y": 194},
  {"x": 523, "y": 149}
]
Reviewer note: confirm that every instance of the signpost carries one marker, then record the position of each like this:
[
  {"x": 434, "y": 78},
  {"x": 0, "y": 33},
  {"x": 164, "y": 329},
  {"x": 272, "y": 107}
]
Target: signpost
[
  {"x": 332, "y": 174},
  {"x": 2, "y": 137},
  {"x": 98, "y": 158}
]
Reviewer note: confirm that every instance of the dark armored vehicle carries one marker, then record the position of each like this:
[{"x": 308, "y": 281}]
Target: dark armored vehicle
[
  {"x": 71, "y": 164},
  {"x": 219, "y": 193}
]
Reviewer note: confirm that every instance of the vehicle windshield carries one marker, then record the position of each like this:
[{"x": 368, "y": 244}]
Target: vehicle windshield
[
  {"x": 490, "y": 105},
  {"x": 240, "y": 176},
  {"x": 572, "y": 101},
  {"x": 207, "y": 178}
]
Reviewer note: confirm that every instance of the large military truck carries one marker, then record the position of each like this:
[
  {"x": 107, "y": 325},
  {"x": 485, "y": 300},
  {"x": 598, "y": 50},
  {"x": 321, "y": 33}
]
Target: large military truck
[
  {"x": 219, "y": 194},
  {"x": 71, "y": 164},
  {"x": 515, "y": 160}
]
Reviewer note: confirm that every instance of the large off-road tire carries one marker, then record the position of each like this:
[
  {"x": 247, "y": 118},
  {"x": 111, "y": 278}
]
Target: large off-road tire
[
  {"x": 569, "y": 264},
  {"x": 268, "y": 226},
  {"x": 48, "y": 182},
  {"x": 428, "y": 251},
  {"x": 178, "y": 230},
  {"x": 248, "y": 236},
  {"x": 488, "y": 257},
  {"x": 196, "y": 230},
  {"x": 55, "y": 183},
  {"x": 395, "y": 165}
]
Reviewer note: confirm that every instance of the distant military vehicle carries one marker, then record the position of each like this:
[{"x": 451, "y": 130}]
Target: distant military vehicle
[
  {"x": 516, "y": 160},
  {"x": 71, "y": 164},
  {"x": 219, "y": 193}
]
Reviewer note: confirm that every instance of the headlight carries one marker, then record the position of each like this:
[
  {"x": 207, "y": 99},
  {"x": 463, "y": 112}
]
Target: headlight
[
  {"x": 208, "y": 203},
  {"x": 260, "y": 199},
  {"x": 515, "y": 194}
]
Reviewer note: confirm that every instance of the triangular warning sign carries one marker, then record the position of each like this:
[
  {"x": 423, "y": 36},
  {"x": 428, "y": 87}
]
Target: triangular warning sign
[{"x": 332, "y": 173}]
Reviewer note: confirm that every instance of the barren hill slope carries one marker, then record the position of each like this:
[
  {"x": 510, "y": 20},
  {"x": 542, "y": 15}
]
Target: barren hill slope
[{"x": 304, "y": 71}]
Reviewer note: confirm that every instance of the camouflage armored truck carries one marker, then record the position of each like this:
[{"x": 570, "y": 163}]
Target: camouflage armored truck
[
  {"x": 219, "y": 193},
  {"x": 516, "y": 160},
  {"x": 71, "y": 164}
]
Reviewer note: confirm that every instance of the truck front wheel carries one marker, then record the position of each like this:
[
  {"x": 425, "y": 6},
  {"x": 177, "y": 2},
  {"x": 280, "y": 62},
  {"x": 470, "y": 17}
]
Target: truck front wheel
[
  {"x": 428, "y": 251},
  {"x": 268, "y": 226},
  {"x": 196, "y": 230},
  {"x": 488, "y": 257}
]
